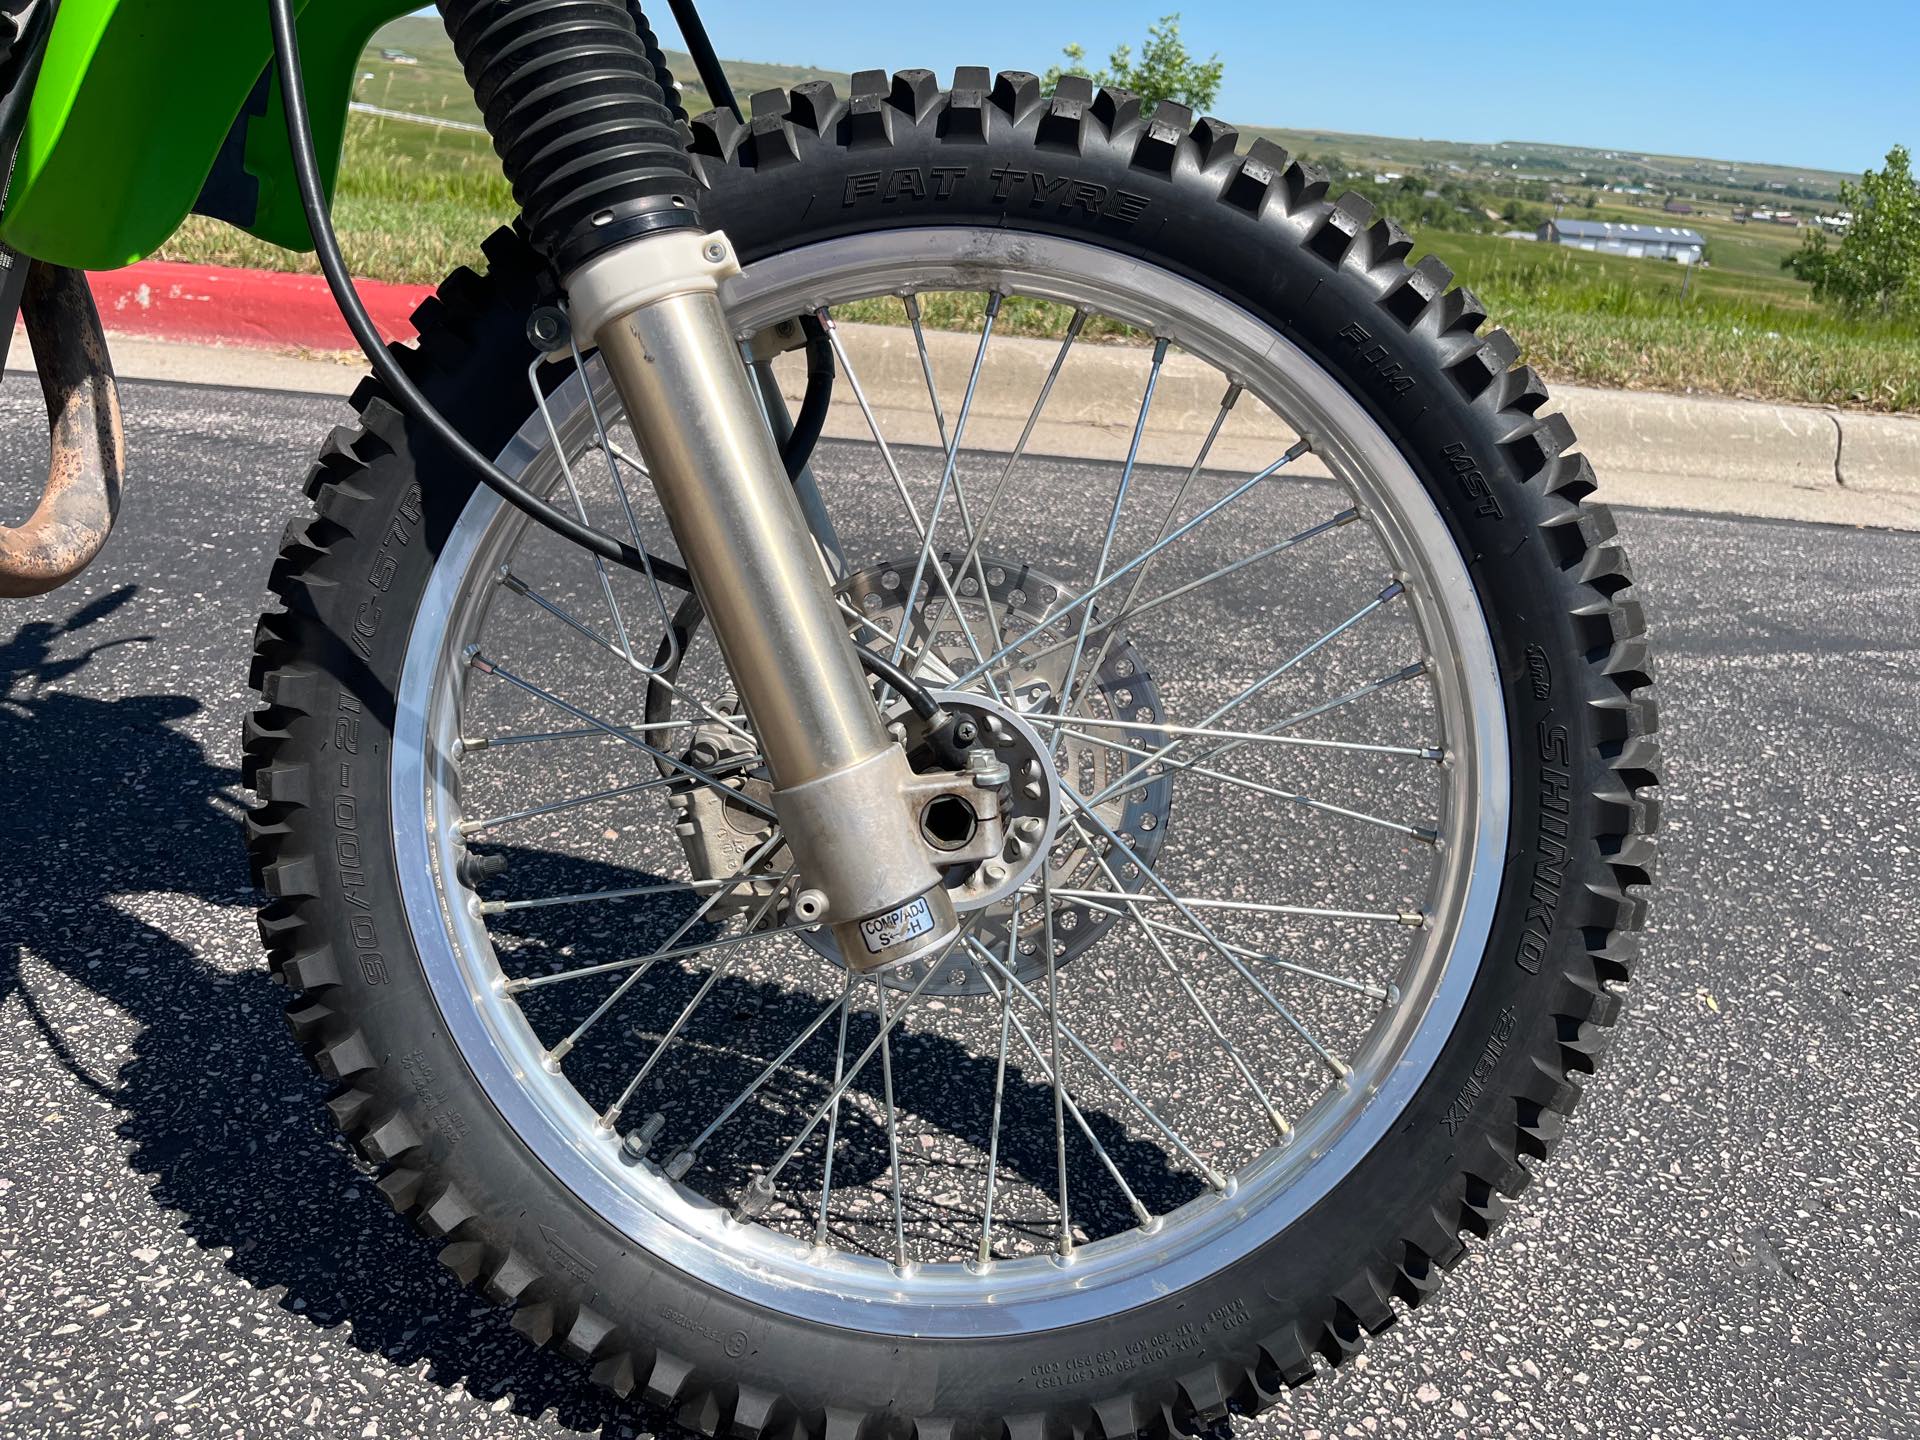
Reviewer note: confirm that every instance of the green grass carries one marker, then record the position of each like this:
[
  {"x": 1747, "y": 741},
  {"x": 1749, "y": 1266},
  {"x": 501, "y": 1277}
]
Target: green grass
[{"x": 415, "y": 202}]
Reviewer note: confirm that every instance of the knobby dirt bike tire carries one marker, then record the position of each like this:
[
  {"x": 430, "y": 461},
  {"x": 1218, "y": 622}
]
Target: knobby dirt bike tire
[{"x": 1569, "y": 640}]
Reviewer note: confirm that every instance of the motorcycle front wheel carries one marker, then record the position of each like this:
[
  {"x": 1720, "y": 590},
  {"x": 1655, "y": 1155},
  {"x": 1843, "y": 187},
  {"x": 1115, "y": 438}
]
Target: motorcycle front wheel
[{"x": 1320, "y": 687}]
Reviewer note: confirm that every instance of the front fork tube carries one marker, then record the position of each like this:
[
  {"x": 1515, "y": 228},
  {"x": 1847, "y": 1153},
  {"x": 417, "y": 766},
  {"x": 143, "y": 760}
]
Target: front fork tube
[{"x": 840, "y": 783}]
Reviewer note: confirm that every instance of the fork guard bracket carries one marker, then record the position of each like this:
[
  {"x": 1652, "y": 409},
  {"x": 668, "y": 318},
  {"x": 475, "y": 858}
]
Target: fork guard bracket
[{"x": 87, "y": 446}]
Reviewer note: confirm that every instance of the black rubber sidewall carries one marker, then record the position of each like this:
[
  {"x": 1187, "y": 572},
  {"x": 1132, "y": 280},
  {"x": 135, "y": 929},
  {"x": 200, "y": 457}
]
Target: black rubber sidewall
[{"x": 1292, "y": 1284}]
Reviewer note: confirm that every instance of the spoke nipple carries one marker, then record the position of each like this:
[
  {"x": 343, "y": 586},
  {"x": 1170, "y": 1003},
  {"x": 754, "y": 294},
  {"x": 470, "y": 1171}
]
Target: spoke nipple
[
  {"x": 1438, "y": 755},
  {"x": 756, "y": 1199},
  {"x": 1431, "y": 837},
  {"x": 488, "y": 907},
  {"x": 1414, "y": 919},
  {"x": 679, "y": 1165},
  {"x": 1397, "y": 588},
  {"x": 477, "y": 660},
  {"x": 1302, "y": 446},
  {"x": 470, "y": 745},
  {"x": 551, "y": 1062}
]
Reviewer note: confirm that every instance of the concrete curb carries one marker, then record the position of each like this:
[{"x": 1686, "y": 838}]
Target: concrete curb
[
  {"x": 214, "y": 325},
  {"x": 1661, "y": 451},
  {"x": 217, "y": 305}
]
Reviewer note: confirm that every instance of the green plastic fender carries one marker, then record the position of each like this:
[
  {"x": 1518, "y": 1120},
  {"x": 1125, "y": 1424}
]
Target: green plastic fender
[{"x": 138, "y": 98}]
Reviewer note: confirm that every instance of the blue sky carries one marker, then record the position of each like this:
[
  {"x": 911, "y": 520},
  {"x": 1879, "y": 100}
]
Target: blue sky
[{"x": 1830, "y": 85}]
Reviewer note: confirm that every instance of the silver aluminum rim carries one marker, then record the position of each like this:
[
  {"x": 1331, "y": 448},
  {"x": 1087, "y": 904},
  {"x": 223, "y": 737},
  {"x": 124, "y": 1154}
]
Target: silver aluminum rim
[{"x": 780, "y": 1272}]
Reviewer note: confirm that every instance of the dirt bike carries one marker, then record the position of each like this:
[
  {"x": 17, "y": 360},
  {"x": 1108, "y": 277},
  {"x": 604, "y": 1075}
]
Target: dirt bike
[{"x": 891, "y": 934}]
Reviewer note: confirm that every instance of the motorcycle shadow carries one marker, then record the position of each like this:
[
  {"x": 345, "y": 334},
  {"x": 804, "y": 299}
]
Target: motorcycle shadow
[{"x": 220, "y": 1115}]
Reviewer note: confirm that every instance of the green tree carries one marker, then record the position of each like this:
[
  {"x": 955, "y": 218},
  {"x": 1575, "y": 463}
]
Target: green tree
[
  {"x": 1874, "y": 267},
  {"x": 1164, "y": 71}
]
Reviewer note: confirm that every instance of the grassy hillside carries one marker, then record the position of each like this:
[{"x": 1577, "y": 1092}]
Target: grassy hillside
[{"x": 415, "y": 201}]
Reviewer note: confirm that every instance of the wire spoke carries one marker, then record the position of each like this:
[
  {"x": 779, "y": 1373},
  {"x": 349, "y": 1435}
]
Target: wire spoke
[
  {"x": 949, "y": 475},
  {"x": 985, "y": 1255},
  {"x": 730, "y": 766},
  {"x": 692, "y": 1149},
  {"x": 1081, "y": 725},
  {"x": 745, "y": 872},
  {"x": 487, "y": 667},
  {"x": 1109, "y": 633},
  {"x": 972, "y": 553},
  {"x": 1147, "y": 873},
  {"x": 1272, "y": 1113},
  {"x": 1059, "y": 1079},
  {"x": 473, "y": 745},
  {"x": 580, "y": 505},
  {"x": 972, "y": 557},
  {"x": 840, "y": 1087},
  {"x": 527, "y": 592},
  {"x": 1409, "y": 918},
  {"x": 1140, "y": 1212},
  {"x": 1136, "y": 912},
  {"x": 925, "y": 532},
  {"x": 1113, "y": 527},
  {"x": 612, "y": 454},
  {"x": 893, "y": 1126},
  {"x": 1425, "y": 834},
  {"x": 1260, "y": 685},
  {"x": 1130, "y": 611},
  {"x": 1093, "y": 592},
  {"x": 611, "y": 1117},
  {"x": 833, "y": 1121},
  {"x": 683, "y": 952},
  {"x": 583, "y": 897},
  {"x": 1072, "y": 1037}
]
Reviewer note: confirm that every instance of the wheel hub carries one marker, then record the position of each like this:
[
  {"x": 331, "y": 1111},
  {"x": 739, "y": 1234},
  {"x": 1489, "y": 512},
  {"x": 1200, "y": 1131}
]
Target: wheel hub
[{"x": 1114, "y": 685}]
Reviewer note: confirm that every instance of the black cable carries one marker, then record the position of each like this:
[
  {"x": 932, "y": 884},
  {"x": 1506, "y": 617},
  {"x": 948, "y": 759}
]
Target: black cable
[
  {"x": 706, "y": 64},
  {"x": 313, "y": 199},
  {"x": 306, "y": 170},
  {"x": 812, "y": 418}
]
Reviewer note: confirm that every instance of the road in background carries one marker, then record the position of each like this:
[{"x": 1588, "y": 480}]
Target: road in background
[{"x": 1724, "y": 1246}]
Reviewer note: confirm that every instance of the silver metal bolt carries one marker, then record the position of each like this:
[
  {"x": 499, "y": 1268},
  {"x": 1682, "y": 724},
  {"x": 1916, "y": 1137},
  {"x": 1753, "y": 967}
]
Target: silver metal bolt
[{"x": 715, "y": 251}]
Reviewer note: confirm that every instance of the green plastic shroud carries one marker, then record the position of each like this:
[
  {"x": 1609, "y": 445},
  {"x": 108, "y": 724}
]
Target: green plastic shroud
[{"x": 136, "y": 103}]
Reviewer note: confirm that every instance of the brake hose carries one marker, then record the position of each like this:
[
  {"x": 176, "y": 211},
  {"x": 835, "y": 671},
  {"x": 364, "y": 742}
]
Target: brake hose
[{"x": 306, "y": 171}]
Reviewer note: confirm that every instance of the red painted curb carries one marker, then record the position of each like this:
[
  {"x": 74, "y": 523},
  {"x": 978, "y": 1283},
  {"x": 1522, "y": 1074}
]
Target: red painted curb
[{"x": 215, "y": 305}]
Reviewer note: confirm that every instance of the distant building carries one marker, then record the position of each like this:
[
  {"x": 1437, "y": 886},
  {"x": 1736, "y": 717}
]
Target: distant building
[
  {"x": 1654, "y": 242},
  {"x": 399, "y": 57},
  {"x": 1677, "y": 207}
]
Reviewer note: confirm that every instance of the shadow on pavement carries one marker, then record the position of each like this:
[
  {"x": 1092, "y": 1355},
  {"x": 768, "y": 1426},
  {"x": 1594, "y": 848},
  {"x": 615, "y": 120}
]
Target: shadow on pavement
[{"x": 111, "y": 800}]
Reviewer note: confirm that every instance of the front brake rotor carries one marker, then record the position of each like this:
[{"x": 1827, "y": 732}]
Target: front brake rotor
[{"x": 718, "y": 835}]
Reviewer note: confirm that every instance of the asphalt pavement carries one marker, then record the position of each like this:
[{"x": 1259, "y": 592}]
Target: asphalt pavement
[{"x": 1725, "y": 1245}]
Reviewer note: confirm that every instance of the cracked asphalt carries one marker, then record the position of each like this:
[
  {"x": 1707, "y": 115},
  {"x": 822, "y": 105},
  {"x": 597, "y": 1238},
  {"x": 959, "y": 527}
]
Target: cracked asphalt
[{"x": 1725, "y": 1245}]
